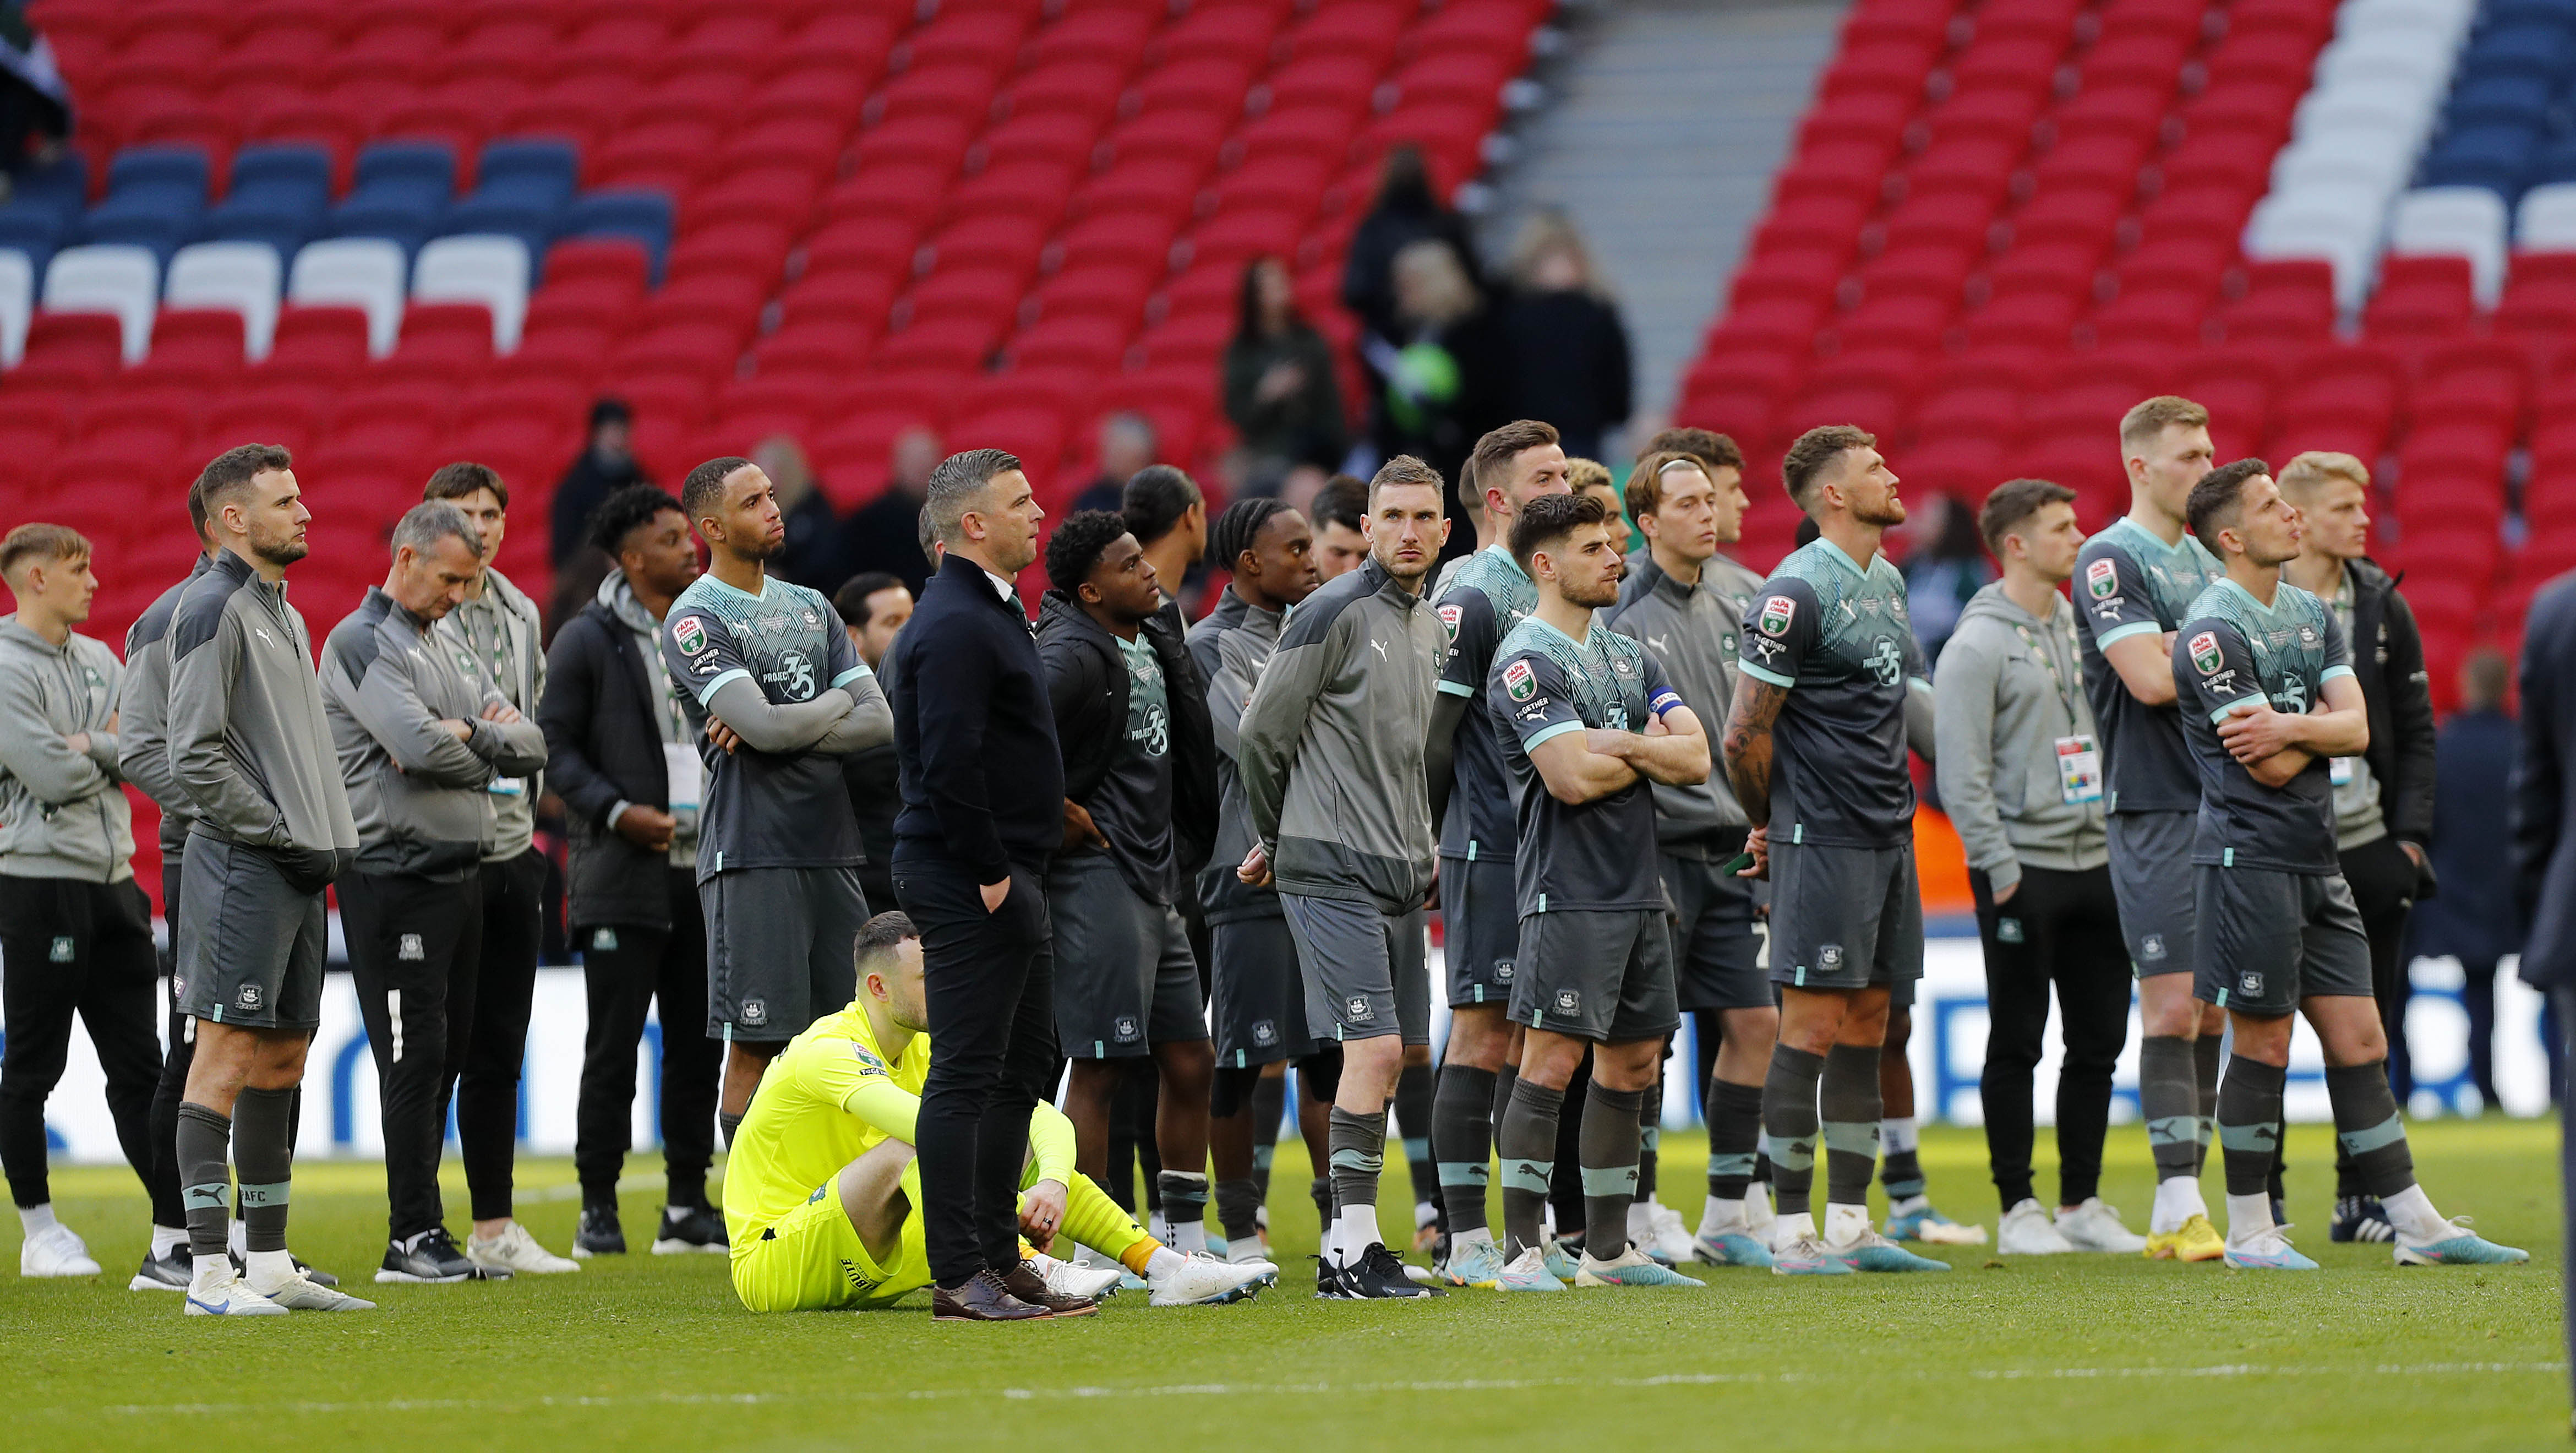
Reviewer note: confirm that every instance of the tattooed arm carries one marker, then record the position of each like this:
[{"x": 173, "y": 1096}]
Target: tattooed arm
[{"x": 1748, "y": 759}]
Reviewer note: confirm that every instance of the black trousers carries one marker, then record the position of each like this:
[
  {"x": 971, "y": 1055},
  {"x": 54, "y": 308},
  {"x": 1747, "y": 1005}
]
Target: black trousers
[
  {"x": 167, "y": 1210},
  {"x": 68, "y": 947},
  {"x": 2477, "y": 996},
  {"x": 625, "y": 968},
  {"x": 2383, "y": 887},
  {"x": 415, "y": 952},
  {"x": 990, "y": 982},
  {"x": 2064, "y": 934},
  {"x": 487, "y": 1090}
]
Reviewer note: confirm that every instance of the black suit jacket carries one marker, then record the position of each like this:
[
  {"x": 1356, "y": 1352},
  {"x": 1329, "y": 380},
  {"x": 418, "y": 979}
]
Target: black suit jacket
[
  {"x": 974, "y": 733},
  {"x": 2544, "y": 789}
]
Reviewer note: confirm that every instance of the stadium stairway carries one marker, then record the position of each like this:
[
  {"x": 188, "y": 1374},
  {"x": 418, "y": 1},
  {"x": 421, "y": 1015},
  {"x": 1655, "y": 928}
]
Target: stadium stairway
[{"x": 1669, "y": 119}]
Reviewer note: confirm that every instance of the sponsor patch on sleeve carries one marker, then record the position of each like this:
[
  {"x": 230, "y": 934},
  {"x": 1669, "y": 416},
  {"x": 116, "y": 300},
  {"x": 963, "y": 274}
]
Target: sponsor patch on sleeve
[
  {"x": 2102, "y": 579},
  {"x": 1777, "y": 612},
  {"x": 2205, "y": 657},
  {"x": 690, "y": 635},
  {"x": 1519, "y": 682},
  {"x": 1449, "y": 615}
]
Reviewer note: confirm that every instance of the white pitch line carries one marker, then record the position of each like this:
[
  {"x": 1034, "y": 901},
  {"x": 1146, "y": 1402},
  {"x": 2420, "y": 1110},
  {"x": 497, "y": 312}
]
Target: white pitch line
[{"x": 1308, "y": 1389}]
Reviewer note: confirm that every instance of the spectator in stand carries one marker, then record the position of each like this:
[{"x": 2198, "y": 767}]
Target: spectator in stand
[
  {"x": 1127, "y": 445},
  {"x": 1280, "y": 391},
  {"x": 1441, "y": 376},
  {"x": 1405, "y": 211},
  {"x": 1340, "y": 507},
  {"x": 883, "y": 533},
  {"x": 1944, "y": 572},
  {"x": 2474, "y": 918},
  {"x": 607, "y": 464},
  {"x": 812, "y": 555},
  {"x": 873, "y": 607},
  {"x": 35, "y": 105},
  {"x": 1569, "y": 351}
]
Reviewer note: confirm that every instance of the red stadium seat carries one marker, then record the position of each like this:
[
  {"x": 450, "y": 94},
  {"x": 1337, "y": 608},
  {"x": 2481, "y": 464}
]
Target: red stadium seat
[{"x": 2283, "y": 301}]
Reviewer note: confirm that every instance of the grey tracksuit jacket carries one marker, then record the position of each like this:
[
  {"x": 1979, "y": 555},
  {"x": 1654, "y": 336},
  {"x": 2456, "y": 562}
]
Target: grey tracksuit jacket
[
  {"x": 417, "y": 792},
  {"x": 2000, "y": 713},
  {"x": 247, "y": 736},
  {"x": 143, "y": 715},
  {"x": 61, "y": 813},
  {"x": 503, "y": 622},
  {"x": 1231, "y": 646},
  {"x": 1330, "y": 747},
  {"x": 1692, "y": 630}
]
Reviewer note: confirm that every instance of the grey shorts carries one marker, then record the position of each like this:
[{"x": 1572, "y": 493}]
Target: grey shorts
[
  {"x": 1355, "y": 957},
  {"x": 1845, "y": 918},
  {"x": 1260, "y": 998},
  {"x": 251, "y": 948},
  {"x": 1600, "y": 974},
  {"x": 778, "y": 949},
  {"x": 1125, "y": 979},
  {"x": 1480, "y": 925},
  {"x": 2276, "y": 938},
  {"x": 2151, "y": 880},
  {"x": 1717, "y": 955}
]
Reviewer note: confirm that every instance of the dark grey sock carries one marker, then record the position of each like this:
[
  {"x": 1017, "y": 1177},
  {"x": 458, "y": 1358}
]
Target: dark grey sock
[
  {"x": 1269, "y": 1104},
  {"x": 1358, "y": 1147},
  {"x": 1414, "y": 1118},
  {"x": 1606, "y": 1148},
  {"x": 1527, "y": 1148},
  {"x": 1462, "y": 1136},
  {"x": 1504, "y": 1078},
  {"x": 1789, "y": 1118},
  {"x": 2365, "y": 1115},
  {"x": 1185, "y": 1196},
  {"x": 1238, "y": 1207},
  {"x": 205, "y": 1143},
  {"x": 1321, "y": 1189},
  {"x": 263, "y": 1148},
  {"x": 1650, "y": 1135},
  {"x": 1734, "y": 1135},
  {"x": 2205, "y": 1052},
  {"x": 1851, "y": 1107},
  {"x": 2169, "y": 1099},
  {"x": 728, "y": 1124},
  {"x": 2249, "y": 1123}
]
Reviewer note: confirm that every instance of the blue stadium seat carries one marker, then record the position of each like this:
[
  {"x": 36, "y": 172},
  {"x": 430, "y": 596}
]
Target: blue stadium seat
[
  {"x": 534, "y": 169},
  {"x": 644, "y": 216},
  {"x": 2555, "y": 161},
  {"x": 34, "y": 229},
  {"x": 62, "y": 188},
  {"x": 156, "y": 197},
  {"x": 177, "y": 169},
  {"x": 279, "y": 195},
  {"x": 2561, "y": 13},
  {"x": 2499, "y": 101},
  {"x": 403, "y": 187},
  {"x": 2482, "y": 156},
  {"x": 532, "y": 221},
  {"x": 2545, "y": 51}
]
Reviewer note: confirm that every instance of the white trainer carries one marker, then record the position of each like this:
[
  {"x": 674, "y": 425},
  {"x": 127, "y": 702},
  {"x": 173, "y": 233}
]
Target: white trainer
[
  {"x": 2096, "y": 1226},
  {"x": 1204, "y": 1281},
  {"x": 513, "y": 1251},
  {"x": 2027, "y": 1231},
  {"x": 1072, "y": 1279},
  {"x": 298, "y": 1294},
  {"x": 56, "y": 1251},
  {"x": 223, "y": 1293}
]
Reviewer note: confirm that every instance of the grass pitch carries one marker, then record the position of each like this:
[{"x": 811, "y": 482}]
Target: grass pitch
[{"x": 2088, "y": 1352}]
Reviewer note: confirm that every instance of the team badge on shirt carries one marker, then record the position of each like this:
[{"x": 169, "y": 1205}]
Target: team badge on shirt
[
  {"x": 1449, "y": 615},
  {"x": 1519, "y": 682},
  {"x": 869, "y": 1063},
  {"x": 2204, "y": 653},
  {"x": 690, "y": 635},
  {"x": 2102, "y": 579},
  {"x": 1777, "y": 612}
]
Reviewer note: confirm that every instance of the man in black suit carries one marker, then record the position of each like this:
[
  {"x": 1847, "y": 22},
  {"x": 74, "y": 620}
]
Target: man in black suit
[
  {"x": 970, "y": 861},
  {"x": 2544, "y": 793}
]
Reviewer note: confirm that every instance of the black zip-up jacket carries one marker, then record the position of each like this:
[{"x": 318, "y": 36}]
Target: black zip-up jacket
[
  {"x": 982, "y": 777},
  {"x": 603, "y": 747},
  {"x": 2388, "y": 661},
  {"x": 1089, "y": 686}
]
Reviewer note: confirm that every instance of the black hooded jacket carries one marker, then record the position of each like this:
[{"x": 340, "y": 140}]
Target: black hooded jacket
[{"x": 1087, "y": 681}]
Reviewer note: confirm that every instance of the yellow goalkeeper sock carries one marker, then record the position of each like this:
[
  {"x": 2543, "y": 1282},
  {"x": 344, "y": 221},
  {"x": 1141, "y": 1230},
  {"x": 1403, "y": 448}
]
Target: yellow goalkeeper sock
[{"x": 1098, "y": 1222}]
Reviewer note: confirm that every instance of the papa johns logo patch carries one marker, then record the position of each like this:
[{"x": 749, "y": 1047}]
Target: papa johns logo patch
[
  {"x": 2205, "y": 657},
  {"x": 2102, "y": 579},
  {"x": 1519, "y": 682},
  {"x": 1449, "y": 617},
  {"x": 1778, "y": 611},
  {"x": 690, "y": 635}
]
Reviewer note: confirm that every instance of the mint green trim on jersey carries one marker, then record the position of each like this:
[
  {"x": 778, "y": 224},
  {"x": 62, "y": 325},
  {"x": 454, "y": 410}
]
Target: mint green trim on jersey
[
  {"x": 1458, "y": 688},
  {"x": 1551, "y": 734},
  {"x": 707, "y": 692},
  {"x": 1774, "y": 677},
  {"x": 2121, "y": 633},
  {"x": 2331, "y": 672}
]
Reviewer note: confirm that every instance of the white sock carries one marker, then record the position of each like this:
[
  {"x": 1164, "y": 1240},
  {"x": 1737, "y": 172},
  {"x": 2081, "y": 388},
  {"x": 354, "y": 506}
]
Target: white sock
[
  {"x": 1354, "y": 1231},
  {"x": 1909, "y": 1205},
  {"x": 166, "y": 1239},
  {"x": 1162, "y": 1264},
  {"x": 1757, "y": 1205},
  {"x": 37, "y": 1219},
  {"x": 1845, "y": 1224},
  {"x": 1641, "y": 1222},
  {"x": 2248, "y": 1217},
  {"x": 238, "y": 1237},
  {"x": 1898, "y": 1133},
  {"x": 2412, "y": 1213},
  {"x": 2177, "y": 1201},
  {"x": 1719, "y": 1217},
  {"x": 267, "y": 1269},
  {"x": 209, "y": 1271},
  {"x": 1188, "y": 1237},
  {"x": 1788, "y": 1230},
  {"x": 1469, "y": 1240},
  {"x": 1159, "y": 1228}
]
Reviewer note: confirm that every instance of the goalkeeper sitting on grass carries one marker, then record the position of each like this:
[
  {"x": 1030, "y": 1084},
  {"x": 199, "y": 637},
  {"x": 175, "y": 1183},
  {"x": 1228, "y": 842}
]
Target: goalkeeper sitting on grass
[{"x": 823, "y": 1199}]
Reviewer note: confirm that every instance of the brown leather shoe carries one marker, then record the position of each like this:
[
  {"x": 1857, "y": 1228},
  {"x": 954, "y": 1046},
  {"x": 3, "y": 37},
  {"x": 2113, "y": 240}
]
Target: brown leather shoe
[
  {"x": 982, "y": 1299},
  {"x": 1027, "y": 1283}
]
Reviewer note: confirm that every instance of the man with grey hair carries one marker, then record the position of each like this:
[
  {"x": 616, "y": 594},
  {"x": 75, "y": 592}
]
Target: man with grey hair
[
  {"x": 420, "y": 740},
  {"x": 1127, "y": 444},
  {"x": 983, "y": 810}
]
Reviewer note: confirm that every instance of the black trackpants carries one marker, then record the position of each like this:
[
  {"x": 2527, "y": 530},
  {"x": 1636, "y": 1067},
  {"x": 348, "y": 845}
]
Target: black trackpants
[
  {"x": 2383, "y": 882},
  {"x": 487, "y": 1089},
  {"x": 625, "y": 968},
  {"x": 167, "y": 1210},
  {"x": 990, "y": 982},
  {"x": 2059, "y": 930},
  {"x": 69, "y": 948},
  {"x": 415, "y": 950}
]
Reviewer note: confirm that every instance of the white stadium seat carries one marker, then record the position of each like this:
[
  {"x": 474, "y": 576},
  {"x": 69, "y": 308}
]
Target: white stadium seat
[
  {"x": 2341, "y": 224},
  {"x": 2374, "y": 159},
  {"x": 354, "y": 272},
  {"x": 491, "y": 270},
  {"x": 2455, "y": 221},
  {"x": 2435, "y": 18},
  {"x": 2547, "y": 220},
  {"x": 2365, "y": 111},
  {"x": 17, "y": 304},
  {"x": 2388, "y": 58},
  {"x": 109, "y": 278},
  {"x": 242, "y": 276}
]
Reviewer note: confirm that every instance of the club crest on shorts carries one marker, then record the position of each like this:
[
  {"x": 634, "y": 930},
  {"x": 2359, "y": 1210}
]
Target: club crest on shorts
[
  {"x": 1124, "y": 1030},
  {"x": 1830, "y": 956},
  {"x": 1265, "y": 1032},
  {"x": 248, "y": 998},
  {"x": 1777, "y": 612},
  {"x": 603, "y": 940},
  {"x": 2204, "y": 653},
  {"x": 1357, "y": 1008},
  {"x": 63, "y": 951},
  {"x": 690, "y": 635},
  {"x": 2250, "y": 984},
  {"x": 2152, "y": 948},
  {"x": 411, "y": 950},
  {"x": 2007, "y": 930},
  {"x": 2102, "y": 579},
  {"x": 755, "y": 1011},
  {"x": 1502, "y": 971},
  {"x": 1520, "y": 683},
  {"x": 1568, "y": 1002}
]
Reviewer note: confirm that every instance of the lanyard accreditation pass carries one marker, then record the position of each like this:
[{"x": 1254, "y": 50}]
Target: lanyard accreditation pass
[
  {"x": 681, "y": 770},
  {"x": 498, "y": 786},
  {"x": 2079, "y": 756}
]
